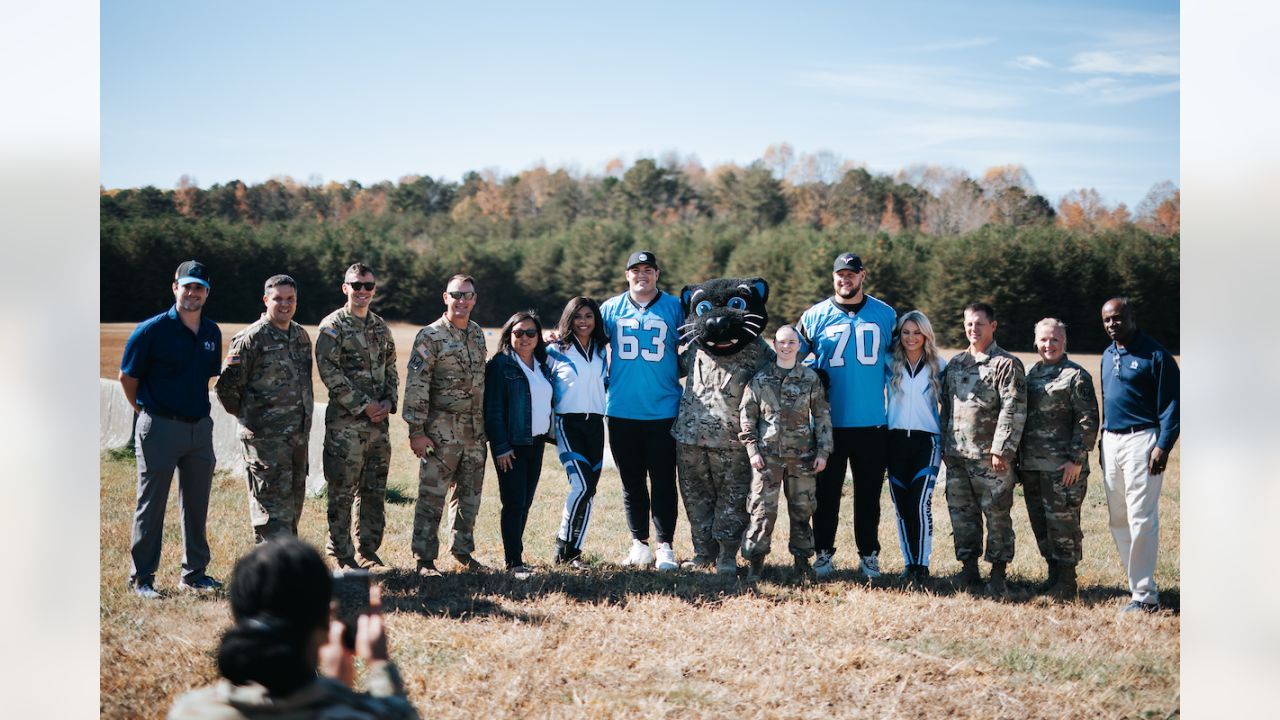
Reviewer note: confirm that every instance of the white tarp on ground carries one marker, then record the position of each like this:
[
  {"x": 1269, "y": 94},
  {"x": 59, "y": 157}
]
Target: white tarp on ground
[{"x": 115, "y": 426}]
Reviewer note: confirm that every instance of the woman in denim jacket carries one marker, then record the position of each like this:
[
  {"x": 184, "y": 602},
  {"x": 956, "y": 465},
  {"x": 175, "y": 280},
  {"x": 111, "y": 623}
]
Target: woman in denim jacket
[{"x": 517, "y": 419}]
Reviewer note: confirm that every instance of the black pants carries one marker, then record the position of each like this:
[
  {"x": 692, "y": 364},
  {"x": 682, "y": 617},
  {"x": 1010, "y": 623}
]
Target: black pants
[
  {"x": 580, "y": 442},
  {"x": 640, "y": 448},
  {"x": 913, "y": 469},
  {"x": 864, "y": 450},
  {"x": 516, "y": 487}
]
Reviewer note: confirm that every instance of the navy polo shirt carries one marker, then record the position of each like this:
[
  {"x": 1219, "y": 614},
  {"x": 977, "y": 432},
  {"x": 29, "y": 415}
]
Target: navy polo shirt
[
  {"x": 172, "y": 364},
  {"x": 1140, "y": 388}
]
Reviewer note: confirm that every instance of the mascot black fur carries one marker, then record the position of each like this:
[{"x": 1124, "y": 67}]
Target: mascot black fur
[{"x": 723, "y": 322}]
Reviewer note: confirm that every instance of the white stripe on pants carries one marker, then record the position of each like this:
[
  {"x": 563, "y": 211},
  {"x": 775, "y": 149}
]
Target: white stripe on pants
[{"x": 1133, "y": 499}]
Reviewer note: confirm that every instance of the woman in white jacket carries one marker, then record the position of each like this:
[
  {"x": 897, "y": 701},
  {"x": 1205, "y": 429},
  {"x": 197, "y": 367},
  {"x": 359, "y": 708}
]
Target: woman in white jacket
[{"x": 915, "y": 379}]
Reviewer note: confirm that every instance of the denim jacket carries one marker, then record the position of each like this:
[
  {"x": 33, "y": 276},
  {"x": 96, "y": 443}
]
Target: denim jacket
[{"x": 507, "y": 402}]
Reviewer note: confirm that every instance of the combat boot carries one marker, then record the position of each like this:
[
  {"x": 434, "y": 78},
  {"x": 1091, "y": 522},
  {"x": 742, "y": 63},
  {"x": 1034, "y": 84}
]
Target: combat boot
[
  {"x": 1051, "y": 581},
  {"x": 755, "y": 567},
  {"x": 1065, "y": 588},
  {"x": 969, "y": 576},
  {"x": 802, "y": 567},
  {"x": 996, "y": 586},
  {"x": 727, "y": 562}
]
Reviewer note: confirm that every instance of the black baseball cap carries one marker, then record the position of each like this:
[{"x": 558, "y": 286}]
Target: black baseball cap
[
  {"x": 642, "y": 257},
  {"x": 847, "y": 261},
  {"x": 191, "y": 271}
]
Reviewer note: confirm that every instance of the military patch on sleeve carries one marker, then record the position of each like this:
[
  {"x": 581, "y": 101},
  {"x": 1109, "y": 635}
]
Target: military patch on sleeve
[
  {"x": 232, "y": 359},
  {"x": 330, "y": 331},
  {"x": 422, "y": 350}
]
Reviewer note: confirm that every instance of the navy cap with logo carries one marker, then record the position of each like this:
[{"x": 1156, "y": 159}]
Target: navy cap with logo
[
  {"x": 847, "y": 261},
  {"x": 191, "y": 271},
  {"x": 642, "y": 257}
]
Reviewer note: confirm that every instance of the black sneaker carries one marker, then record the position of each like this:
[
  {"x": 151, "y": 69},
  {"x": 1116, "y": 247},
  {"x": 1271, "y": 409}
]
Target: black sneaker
[
  {"x": 203, "y": 584},
  {"x": 1139, "y": 606}
]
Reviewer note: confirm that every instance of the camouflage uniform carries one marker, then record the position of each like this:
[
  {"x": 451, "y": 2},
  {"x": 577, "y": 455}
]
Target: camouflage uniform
[
  {"x": 784, "y": 418},
  {"x": 356, "y": 358},
  {"x": 1062, "y": 424},
  {"x": 444, "y": 400},
  {"x": 714, "y": 470},
  {"x": 984, "y": 406},
  {"x": 266, "y": 384}
]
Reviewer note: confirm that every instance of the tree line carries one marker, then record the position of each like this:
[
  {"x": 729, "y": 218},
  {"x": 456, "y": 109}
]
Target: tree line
[{"x": 932, "y": 239}]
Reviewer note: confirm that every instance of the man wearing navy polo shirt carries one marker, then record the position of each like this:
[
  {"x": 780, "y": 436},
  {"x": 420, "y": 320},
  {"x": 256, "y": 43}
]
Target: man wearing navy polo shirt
[
  {"x": 165, "y": 373},
  {"x": 1139, "y": 428}
]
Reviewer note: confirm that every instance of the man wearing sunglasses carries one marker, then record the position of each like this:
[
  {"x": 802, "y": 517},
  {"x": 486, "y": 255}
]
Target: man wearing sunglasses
[
  {"x": 356, "y": 358},
  {"x": 444, "y": 407},
  {"x": 266, "y": 384},
  {"x": 1140, "y": 423}
]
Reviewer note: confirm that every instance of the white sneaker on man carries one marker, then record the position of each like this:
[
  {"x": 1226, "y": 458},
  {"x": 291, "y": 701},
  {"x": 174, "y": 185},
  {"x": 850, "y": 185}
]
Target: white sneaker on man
[
  {"x": 822, "y": 566},
  {"x": 640, "y": 554},
  {"x": 666, "y": 560},
  {"x": 870, "y": 566}
]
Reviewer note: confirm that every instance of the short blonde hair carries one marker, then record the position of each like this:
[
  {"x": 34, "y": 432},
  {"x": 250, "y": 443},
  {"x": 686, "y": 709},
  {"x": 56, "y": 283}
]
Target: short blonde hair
[{"x": 1051, "y": 323}]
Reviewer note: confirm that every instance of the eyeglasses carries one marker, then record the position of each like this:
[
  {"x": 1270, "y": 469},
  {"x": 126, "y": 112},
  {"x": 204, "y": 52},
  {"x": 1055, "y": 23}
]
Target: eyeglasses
[
  {"x": 362, "y": 285},
  {"x": 462, "y": 294},
  {"x": 529, "y": 333}
]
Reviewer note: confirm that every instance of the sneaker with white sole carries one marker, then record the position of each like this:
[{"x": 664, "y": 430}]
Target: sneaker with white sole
[
  {"x": 666, "y": 558},
  {"x": 822, "y": 565},
  {"x": 145, "y": 590},
  {"x": 640, "y": 555},
  {"x": 870, "y": 565}
]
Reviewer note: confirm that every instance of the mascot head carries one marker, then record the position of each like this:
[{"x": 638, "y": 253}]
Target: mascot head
[{"x": 724, "y": 315}]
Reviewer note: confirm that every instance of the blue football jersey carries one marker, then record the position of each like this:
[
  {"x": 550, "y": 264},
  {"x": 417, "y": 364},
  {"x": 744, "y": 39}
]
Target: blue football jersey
[
  {"x": 644, "y": 377},
  {"x": 853, "y": 349}
]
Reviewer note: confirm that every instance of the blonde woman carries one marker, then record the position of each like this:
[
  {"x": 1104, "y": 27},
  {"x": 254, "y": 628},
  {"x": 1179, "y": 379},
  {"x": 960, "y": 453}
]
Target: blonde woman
[{"x": 915, "y": 383}]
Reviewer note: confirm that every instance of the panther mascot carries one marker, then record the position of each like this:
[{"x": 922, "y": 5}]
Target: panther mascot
[{"x": 723, "y": 322}]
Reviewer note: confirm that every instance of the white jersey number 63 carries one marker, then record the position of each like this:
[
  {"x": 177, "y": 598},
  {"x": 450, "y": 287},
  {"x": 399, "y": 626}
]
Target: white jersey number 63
[{"x": 629, "y": 343}]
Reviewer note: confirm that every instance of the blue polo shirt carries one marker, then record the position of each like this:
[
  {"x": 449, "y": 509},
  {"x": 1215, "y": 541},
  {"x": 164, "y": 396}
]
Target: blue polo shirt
[
  {"x": 1140, "y": 388},
  {"x": 172, "y": 364}
]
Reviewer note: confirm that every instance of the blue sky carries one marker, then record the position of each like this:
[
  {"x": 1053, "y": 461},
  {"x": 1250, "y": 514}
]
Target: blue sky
[{"x": 1084, "y": 94}]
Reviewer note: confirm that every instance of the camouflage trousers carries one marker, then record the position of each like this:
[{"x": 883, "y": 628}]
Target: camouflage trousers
[
  {"x": 356, "y": 461},
  {"x": 714, "y": 484},
  {"x": 276, "y": 473},
  {"x": 458, "y": 463},
  {"x": 1054, "y": 511},
  {"x": 974, "y": 492},
  {"x": 794, "y": 477}
]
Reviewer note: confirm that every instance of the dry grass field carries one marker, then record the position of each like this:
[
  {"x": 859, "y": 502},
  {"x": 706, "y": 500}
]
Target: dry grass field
[{"x": 612, "y": 642}]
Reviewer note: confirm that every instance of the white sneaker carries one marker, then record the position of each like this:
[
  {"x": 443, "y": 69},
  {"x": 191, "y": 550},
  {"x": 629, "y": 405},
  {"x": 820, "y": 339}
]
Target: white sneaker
[
  {"x": 666, "y": 558},
  {"x": 871, "y": 565},
  {"x": 822, "y": 566},
  {"x": 640, "y": 554}
]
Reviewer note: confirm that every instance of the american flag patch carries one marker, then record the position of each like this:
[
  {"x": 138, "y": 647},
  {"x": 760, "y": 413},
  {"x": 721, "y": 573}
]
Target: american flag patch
[
  {"x": 422, "y": 350},
  {"x": 331, "y": 332},
  {"x": 233, "y": 360}
]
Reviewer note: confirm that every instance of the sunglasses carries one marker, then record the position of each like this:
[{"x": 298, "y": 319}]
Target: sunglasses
[
  {"x": 529, "y": 333},
  {"x": 362, "y": 285},
  {"x": 462, "y": 294}
]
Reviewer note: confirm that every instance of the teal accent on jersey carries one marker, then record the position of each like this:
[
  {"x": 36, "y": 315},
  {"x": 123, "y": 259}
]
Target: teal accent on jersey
[
  {"x": 854, "y": 352},
  {"x": 644, "y": 375}
]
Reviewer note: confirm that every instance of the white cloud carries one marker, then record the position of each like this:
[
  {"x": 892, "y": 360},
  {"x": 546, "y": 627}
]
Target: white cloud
[
  {"x": 1125, "y": 62},
  {"x": 1030, "y": 62},
  {"x": 932, "y": 87},
  {"x": 1111, "y": 91}
]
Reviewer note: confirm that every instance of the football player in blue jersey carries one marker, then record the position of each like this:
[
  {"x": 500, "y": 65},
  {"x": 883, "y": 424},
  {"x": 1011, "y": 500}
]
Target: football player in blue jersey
[
  {"x": 641, "y": 403},
  {"x": 849, "y": 335}
]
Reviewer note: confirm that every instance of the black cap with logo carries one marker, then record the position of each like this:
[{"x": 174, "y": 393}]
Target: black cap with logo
[
  {"x": 642, "y": 257},
  {"x": 847, "y": 261},
  {"x": 191, "y": 271}
]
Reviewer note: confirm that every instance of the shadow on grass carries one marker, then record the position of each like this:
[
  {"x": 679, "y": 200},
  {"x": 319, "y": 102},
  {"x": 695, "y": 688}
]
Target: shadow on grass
[
  {"x": 477, "y": 595},
  {"x": 466, "y": 595}
]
